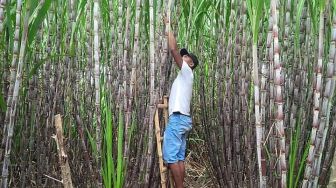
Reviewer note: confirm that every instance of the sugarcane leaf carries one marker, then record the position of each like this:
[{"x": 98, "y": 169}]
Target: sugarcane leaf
[
  {"x": 2, "y": 103},
  {"x": 294, "y": 144},
  {"x": 185, "y": 10},
  {"x": 322, "y": 4},
  {"x": 38, "y": 64},
  {"x": 267, "y": 5},
  {"x": 104, "y": 9},
  {"x": 92, "y": 142},
  {"x": 249, "y": 8},
  {"x": 201, "y": 6},
  {"x": 313, "y": 15},
  {"x": 199, "y": 21},
  {"x": 218, "y": 12},
  {"x": 37, "y": 20},
  {"x": 254, "y": 11},
  {"x": 302, "y": 164},
  {"x": 259, "y": 6},
  {"x": 8, "y": 20},
  {"x": 120, "y": 161},
  {"x": 74, "y": 29},
  {"x": 297, "y": 25},
  {"x": 35, "y": 6},
  {"x": 109, "y": 177}
]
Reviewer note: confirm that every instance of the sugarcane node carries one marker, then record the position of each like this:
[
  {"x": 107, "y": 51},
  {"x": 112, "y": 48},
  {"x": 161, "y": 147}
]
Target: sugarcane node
[
  {"x": 275, "y": 32},
  {"x": 278, "y": 99},
  {"x": 318, "y": 88},
  {"x": 330, "y": 70}
]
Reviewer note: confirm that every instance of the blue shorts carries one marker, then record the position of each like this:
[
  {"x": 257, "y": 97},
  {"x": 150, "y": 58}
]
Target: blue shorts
[{"x": 174, "y": 139}]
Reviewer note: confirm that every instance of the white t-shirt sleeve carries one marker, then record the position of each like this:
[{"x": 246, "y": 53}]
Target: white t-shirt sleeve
[{"x": 185, "y": 69}]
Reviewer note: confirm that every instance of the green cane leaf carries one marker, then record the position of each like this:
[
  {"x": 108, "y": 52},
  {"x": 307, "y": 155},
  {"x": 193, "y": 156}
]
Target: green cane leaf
[
  {"x": 37, "y": 20},
  {"x": 2, "y": 103},
  {"x": 297, "y": 25},
  {"x": 74, "y": 29}
]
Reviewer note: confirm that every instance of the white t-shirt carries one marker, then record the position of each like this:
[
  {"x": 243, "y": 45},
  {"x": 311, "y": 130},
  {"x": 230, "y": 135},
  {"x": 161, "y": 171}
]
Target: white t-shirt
[{"x": 181, "y": 91}]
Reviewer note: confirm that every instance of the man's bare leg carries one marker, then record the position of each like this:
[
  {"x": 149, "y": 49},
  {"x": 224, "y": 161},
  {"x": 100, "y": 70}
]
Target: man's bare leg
[
  {"x": 176, "y": 171},
  {"x": 182, "y": 169}
]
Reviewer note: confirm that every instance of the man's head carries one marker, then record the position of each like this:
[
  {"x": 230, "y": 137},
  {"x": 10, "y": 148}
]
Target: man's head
[{"x": 189, "y": 58}]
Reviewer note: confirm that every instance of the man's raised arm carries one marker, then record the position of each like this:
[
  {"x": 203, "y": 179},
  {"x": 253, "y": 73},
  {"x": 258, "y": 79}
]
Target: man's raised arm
[{"x": 174, "y": 50}]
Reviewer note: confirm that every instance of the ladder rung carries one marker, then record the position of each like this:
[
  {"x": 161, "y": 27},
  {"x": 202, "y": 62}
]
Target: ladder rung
[
  {"x": 162, "y": 106},
  {"x": 164, "y": 169}
]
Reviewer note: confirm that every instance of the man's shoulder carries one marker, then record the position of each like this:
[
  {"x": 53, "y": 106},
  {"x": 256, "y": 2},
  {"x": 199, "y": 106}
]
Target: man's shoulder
[{"x": 186, "y": 69}]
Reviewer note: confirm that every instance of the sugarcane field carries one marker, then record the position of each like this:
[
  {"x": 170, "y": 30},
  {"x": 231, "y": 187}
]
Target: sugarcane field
[{"x": 168, "y": 93}]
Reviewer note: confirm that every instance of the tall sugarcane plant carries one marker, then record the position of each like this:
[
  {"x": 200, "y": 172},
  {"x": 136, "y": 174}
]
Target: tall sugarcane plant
[
  {"x": 263, "y": 103},
  {"x": 96, "y": 57},
  {"x": 255, "y": 8},
  {"x": 317, "y": 129}
]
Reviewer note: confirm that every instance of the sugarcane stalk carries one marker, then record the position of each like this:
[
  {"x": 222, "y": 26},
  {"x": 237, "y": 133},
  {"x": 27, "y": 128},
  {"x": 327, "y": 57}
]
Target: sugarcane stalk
[
  {"x": 96, "y": 56},
  {"x": 14, "y": 102},
  {"x": 152, "y": 93},
  {"x": 314, "y": 139}
]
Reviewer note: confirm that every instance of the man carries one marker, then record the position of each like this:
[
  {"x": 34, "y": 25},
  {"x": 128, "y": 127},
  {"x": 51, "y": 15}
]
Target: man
[{"x": 180, "y": 123}]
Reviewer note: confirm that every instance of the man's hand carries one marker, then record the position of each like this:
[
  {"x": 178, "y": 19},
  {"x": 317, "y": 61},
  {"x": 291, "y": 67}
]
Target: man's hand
[{"x": 172, "y": 45}]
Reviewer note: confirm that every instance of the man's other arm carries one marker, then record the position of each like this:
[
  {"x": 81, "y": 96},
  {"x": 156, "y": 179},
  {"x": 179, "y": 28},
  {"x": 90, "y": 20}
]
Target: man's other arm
[{"x": 174, "y": 50}]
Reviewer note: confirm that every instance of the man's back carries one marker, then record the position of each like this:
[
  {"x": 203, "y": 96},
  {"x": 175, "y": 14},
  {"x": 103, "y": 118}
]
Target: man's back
[{"x": 181, "y": 91}]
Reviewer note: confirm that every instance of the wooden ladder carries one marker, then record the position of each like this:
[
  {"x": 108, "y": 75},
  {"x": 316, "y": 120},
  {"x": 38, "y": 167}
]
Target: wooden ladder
[{"x": 159, "y": 139}]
